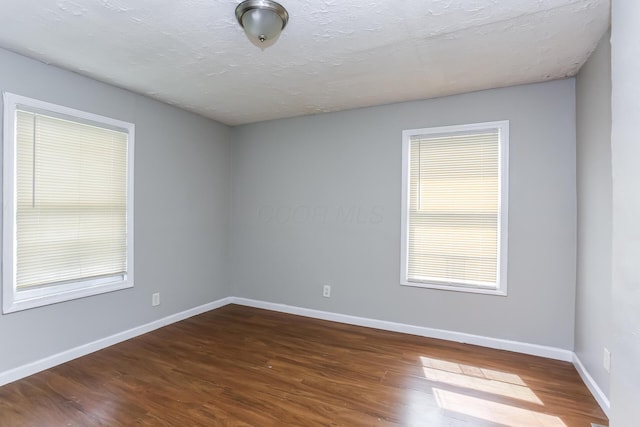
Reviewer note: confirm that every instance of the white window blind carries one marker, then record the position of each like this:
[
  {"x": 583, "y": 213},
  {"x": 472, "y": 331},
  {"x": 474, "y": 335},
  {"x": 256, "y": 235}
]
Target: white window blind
[
  {"x": 71, "y": 201},
  {"x": 67, "y": 228},
  {"x": 453, "y": 207}
]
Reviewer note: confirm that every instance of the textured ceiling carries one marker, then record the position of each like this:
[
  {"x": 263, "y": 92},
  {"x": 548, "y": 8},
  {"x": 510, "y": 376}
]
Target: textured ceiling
[{"x": 333, "y": 55}]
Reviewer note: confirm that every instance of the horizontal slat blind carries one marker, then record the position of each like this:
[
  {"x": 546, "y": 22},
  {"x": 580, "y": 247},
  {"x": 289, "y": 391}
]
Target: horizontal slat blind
[
  {"x": 453, "y": 208},
  {"x": 71, "y": 201}
]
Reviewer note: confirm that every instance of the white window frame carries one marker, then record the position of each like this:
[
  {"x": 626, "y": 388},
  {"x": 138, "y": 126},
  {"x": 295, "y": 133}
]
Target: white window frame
[
  {"x": 501, "y": 274},
  {"x": 12, "y": 299}
]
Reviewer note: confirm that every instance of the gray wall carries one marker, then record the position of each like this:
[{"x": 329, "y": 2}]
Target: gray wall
[
  {"x": 625, "y": 103},
  {"x": 316, "y": 200},
  {"x": 182, "y": 198},
  {"x": 593, "y": 276}
]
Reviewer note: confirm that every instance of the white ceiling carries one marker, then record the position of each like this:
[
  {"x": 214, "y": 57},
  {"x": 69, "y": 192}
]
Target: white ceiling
[{"x": 333, "y": 55}]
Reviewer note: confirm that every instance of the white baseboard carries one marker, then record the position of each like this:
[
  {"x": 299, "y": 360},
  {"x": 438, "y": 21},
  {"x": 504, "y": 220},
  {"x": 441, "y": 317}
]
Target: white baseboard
[
  {"x": 591, "y": 384},
  {"x": 68, "y": 355},
  {"x": 497, "y": 343}
]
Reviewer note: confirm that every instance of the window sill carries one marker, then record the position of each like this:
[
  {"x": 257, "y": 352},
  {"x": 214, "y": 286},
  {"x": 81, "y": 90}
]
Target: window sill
[
  {"x": 456, "y": 288},
  {"x": 24, "y": 300}
]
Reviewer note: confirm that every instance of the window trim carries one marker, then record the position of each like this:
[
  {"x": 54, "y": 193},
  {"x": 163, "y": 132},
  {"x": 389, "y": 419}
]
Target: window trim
[
  {"x": 12, "y": 299},
  {"x": 503, "y": 201}
]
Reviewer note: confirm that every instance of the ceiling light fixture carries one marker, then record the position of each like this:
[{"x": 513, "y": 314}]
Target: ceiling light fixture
[{"x": 262, "y": 20}]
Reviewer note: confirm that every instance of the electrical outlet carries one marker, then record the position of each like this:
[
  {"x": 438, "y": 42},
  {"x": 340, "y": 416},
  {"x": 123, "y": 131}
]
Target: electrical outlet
[
  {"x": 326, "y": 291},
  {"x": 606, "y": 361},
  {"x": 155, "y": 299}
]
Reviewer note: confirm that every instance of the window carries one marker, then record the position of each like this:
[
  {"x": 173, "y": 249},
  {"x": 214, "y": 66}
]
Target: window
[
  {"x": 68, "y": 204},
  {"x": 454, "y": 207}
]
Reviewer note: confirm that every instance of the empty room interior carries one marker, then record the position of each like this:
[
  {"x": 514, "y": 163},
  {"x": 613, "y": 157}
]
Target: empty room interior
[{"x": 309, "y": 213}]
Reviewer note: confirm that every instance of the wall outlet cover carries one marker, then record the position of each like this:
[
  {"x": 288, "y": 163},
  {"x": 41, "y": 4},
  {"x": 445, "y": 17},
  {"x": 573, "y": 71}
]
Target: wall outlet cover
[
  {"x": 606, "y": 360},
  {"x": 326, "y": 291}
]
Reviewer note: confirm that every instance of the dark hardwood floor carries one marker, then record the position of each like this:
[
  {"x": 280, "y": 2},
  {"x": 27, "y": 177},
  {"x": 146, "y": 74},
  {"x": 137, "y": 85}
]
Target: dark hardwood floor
[{"x": 240, "y": 366}]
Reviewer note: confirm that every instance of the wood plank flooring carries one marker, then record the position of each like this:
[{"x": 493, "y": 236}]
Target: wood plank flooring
[{"x": 240, "y": 366}]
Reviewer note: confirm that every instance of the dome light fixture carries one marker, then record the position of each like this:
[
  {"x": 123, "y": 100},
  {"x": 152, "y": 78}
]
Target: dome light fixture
[{"x": 262, "y": 20}]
